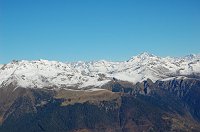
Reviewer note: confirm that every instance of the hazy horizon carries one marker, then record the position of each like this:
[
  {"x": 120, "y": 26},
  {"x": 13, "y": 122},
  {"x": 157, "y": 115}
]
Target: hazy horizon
[{"x": 66, "y": 61}]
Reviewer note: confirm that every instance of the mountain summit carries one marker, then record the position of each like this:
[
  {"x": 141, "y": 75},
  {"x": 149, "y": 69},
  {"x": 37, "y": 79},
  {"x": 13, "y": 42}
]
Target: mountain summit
[{"x": 145, "y": 55}]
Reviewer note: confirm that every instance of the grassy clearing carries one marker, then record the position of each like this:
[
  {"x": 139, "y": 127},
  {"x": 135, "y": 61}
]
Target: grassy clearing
[{"x": 80, "y": 96}]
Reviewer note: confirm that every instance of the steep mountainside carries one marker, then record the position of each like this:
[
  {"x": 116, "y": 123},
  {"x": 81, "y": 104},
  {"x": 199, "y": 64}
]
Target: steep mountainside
[
  {"x": 146, "y": 93},
  {"x": 167, "y": 106}
]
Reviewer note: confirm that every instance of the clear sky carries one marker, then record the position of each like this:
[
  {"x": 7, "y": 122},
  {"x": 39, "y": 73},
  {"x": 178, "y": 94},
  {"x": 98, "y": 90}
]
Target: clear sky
[{"x": 71, "y": 30}]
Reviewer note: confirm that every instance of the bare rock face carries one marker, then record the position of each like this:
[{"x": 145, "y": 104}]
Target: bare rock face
[
  {"x": 172, "y": 105},
  {"x": 187, "y": 90}
]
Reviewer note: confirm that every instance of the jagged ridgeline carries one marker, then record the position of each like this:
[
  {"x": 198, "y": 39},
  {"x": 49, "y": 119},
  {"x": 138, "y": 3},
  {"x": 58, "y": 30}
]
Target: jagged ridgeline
[
  {"x": 53, "y": 74},
  {"x": 145, "y": 93}
]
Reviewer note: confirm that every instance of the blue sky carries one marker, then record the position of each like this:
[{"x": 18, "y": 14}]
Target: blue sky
[{"x": 71, "y": 30}]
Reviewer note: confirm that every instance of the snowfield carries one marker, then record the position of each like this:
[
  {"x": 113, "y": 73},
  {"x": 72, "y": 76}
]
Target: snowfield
[{"x": 43, "y": 73}]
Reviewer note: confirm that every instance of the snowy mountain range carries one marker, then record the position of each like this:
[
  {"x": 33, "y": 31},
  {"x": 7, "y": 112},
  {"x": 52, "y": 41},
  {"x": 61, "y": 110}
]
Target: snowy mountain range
[{"x": 44, "y": 73}]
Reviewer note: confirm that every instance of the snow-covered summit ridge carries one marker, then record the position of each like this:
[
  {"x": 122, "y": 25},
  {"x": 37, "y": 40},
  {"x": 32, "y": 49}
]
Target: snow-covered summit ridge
[
  {"x": 44, "y": 73},
  {"x": 144, "y": 55}
]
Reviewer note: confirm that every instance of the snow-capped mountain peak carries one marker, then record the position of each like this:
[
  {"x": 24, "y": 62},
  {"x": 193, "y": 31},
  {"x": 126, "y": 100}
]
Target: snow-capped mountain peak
[
  {"x": 190, "y": 57},
  {"x": 145, "y": 55},
  {"x": 44, "y": 73}
]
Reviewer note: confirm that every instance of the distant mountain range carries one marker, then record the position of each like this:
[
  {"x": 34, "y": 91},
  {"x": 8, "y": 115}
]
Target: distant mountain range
[
  {"x": 43, "y": 73},
  {"x": 146, "y": 93}
]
